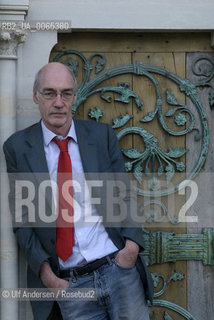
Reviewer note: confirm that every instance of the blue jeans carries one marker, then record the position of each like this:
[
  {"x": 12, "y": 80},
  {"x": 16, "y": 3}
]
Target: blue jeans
[{"x": 120, "y": 295}]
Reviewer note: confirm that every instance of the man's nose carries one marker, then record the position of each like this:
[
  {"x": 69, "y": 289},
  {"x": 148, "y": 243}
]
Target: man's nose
[{"x": 58, "y": 102}]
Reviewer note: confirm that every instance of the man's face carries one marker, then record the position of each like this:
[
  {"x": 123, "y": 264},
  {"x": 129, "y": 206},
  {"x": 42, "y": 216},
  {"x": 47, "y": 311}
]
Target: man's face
[{"x": 56, "y": 110}]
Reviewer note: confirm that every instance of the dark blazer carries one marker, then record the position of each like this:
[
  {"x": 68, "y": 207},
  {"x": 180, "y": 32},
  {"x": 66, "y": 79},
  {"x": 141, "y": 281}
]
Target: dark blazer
[{"x": 100, "y": 152}]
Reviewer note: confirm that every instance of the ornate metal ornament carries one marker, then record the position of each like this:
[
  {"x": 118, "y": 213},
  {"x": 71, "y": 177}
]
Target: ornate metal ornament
[
  {"x": 203, "y": 67},
  {"x": 153, "y": 168},
  {"x": 153, "y": 165},
  {"x": 162, "y": 247}
]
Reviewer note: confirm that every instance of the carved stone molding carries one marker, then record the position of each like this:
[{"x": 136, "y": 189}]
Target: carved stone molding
[
  {"x": 11, "y": 11},
  {"x": 9, "y": 42}
]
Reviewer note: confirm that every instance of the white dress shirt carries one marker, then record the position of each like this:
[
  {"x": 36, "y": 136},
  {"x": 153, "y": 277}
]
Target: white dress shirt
[{"x": 91, "y": 239}]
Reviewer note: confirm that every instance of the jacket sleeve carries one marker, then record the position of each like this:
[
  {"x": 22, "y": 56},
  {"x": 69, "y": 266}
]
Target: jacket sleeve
[{"x": 26, "y": 236}]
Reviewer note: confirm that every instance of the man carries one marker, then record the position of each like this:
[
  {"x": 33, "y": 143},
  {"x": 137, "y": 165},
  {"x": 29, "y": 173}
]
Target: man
[{"x": 102, "y": 257}]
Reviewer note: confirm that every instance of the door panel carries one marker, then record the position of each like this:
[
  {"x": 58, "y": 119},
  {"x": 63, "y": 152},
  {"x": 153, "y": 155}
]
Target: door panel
[{"x": 159, "y": 120}]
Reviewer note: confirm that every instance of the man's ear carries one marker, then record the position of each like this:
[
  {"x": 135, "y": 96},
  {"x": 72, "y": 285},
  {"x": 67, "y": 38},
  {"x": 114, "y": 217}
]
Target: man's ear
[
  {"x": 35, "y": 98},
  {"x": 74, "y": 98}
]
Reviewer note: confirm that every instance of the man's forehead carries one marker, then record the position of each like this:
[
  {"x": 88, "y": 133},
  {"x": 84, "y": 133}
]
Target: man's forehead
[
  {"x": 57, "y": 69},
  {"x": 56, "y": 75},
  {"x": 55, "y": 66}
]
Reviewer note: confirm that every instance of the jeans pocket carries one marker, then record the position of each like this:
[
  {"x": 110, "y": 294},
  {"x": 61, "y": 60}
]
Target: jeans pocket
[
  {"x": 64, "y": 294},
  {"x": 69, "y": 284},
  {"x": 122, "y": 267}
]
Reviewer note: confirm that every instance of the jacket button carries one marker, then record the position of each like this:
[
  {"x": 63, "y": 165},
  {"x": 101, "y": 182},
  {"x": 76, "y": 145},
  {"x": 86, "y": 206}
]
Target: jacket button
[{"x": 52, "y": 241}]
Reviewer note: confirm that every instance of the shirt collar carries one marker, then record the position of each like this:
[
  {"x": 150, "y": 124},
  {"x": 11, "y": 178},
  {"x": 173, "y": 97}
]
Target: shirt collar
[{"x": 48, "y": 135}]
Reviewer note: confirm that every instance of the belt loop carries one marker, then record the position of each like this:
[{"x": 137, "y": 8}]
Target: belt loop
[
  {"x": 74, "y": 272},
  {"x": 73, "y": 276},
  {"x": 109, "y": 260}
]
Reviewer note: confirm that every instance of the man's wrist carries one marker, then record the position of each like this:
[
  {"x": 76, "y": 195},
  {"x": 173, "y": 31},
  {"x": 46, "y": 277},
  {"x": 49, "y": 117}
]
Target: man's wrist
[
  {"x": 49, "y": 279},
  {"x": 132, "y": 247}
]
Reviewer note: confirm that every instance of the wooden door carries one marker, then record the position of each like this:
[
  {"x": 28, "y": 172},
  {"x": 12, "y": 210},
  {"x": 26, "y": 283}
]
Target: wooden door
[{"x": 137, "y": 83}]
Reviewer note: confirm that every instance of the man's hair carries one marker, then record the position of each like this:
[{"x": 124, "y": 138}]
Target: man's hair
[{"x": 36, "y": 84}]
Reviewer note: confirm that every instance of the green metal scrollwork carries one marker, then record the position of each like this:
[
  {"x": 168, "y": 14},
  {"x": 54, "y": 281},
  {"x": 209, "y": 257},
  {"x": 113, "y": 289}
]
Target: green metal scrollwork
[
  {"x": 153, "y": 215},
  {"x": 204, "y": 67},
  {"x": 124, "y": 92},
  {"x": 167, "y": 316},
  {"x": 167, "y": 304},
  {"x": 162, "y": 247},
  {"x": 156, "y": 279},
  {"x": 121, "y": 120},
  {"x": 144, "y": 164},
  {"x": 174, "y": 307},
  {"x": 95, "y": 113},
  {"x": 154, "y": 168},
  {"x": 154, "y": 154}
]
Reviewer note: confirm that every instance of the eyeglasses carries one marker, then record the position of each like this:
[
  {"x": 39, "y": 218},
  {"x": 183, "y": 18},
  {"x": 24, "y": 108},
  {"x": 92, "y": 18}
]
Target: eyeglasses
[{"x": 51, "y": 94}]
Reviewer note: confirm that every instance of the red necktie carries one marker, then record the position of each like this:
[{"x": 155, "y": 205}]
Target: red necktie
[{"x": 65, "y": 227}]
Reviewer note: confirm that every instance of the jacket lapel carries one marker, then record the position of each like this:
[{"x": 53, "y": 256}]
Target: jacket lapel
[
  {"x": 90, "y": 154},
  {"x": 87, "y": 147},
  {"x": 35, "y": 154},
  {"x": 36, "y": 159}
]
